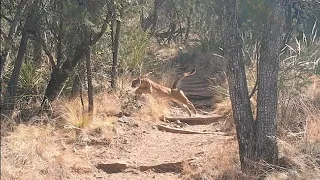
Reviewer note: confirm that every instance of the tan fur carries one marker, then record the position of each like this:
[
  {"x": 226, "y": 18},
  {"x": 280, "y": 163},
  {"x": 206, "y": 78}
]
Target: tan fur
[{"x": 147, "y": 86}]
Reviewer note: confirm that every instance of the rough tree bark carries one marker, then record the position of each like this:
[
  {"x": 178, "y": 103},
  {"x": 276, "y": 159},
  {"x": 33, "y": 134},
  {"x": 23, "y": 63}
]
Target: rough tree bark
[
  {"x": 60, "y": 35},
  {"x": 75, "y": 86},
  {"x": 9, "y": 99},
  {"x": 188, "y": 28},
  {"x": 156, "y": 6},
  {"x": 267, "y": 99},
  {"x": 257, "y": 139},
  {"x": 89, "y": 78},
  {"x": 238, "y": 88},
  {"x": 115, "y": 48}
]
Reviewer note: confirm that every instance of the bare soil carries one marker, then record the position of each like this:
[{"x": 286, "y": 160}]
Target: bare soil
[{"x": 141, "y": 151}]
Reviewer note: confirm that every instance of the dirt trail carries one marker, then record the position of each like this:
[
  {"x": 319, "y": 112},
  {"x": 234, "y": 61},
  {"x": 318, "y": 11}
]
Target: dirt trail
[{"x": 142, "y": 144}]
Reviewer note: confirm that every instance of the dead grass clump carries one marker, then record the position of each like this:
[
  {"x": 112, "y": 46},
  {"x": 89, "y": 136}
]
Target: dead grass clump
[
  {"x": 7, "y": 125},
  {"x": 222, "y": 163},
  {"x": 300, "y": 120},
  {"x": 83, "y": 127},
  {"x": 74, "y": 115},
  {"x": 313, "y": 129},
  {"x": 313, "y": 90},
  {"x": 107, "y": 103},
  {"x": 295, "y": 164},
  {"x": 27, "y": 153},
  {"x": 100, "y": 131},
  {"x": 152, "y": 109},
  {"x": 224, "y": 108}
]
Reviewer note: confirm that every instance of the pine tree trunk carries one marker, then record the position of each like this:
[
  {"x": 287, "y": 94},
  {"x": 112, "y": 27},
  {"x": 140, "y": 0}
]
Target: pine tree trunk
[
  {"x": 115, "y": 48},
  {"x": 60, "y": 36},
  {"x": 89, "y": 78},
  {"x": 155, "y": 16},
  {"x": 75, "y": 86},
  {"x": 188, "y": 28},
  {"x": 238, "y": 88},
  {"x": 13, "y": 82},
  {"x": 267, "y": 86}
]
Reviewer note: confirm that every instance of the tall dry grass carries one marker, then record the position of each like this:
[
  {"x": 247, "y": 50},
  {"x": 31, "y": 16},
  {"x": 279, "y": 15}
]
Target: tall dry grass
[
  {"x": 153, "y": 109},
  {"x": 30, "y": 152},
  {"x": 49, "y": 151},
  {"x": 221, "y": 163}
]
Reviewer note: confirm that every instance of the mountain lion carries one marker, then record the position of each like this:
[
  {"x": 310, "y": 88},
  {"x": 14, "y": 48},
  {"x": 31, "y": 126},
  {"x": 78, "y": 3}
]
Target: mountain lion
[{"x": 147, "y": 86}]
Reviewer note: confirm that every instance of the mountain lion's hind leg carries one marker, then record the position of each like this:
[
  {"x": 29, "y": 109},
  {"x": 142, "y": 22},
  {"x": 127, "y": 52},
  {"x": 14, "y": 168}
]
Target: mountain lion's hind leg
[
  {"x": 188, "y": 110},
  {"x": 183, "y": 106},
  {"x": 190, "y": 105}
]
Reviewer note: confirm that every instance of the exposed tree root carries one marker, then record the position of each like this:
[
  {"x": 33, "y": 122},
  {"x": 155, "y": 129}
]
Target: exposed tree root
[
  {"x": 194, "y": 120},
  {"x": 183, "y": 131}
]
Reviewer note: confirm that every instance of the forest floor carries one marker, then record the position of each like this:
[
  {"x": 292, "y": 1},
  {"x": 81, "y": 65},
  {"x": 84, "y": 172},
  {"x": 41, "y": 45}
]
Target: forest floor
[
  {"x": 167, "y": 154},
  {"x": 132, "y": 147},
  {"x": 134, "y": 150}
]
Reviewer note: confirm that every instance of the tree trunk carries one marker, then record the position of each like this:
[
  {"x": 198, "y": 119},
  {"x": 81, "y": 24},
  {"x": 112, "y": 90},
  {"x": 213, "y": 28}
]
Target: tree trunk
[
  {"x": 186, "y": 37},
  {"x": 155, "y": 16},
  {"x": 16, "y": 18},
  {"x": 13, "y": 82},
  {"x": 115, "y": 47},
  {"x": 267, "y": 100},
  {"x": 60, "y": 75},
  {"x": 89, "y": 78},
  {"x": 238, "y": 88},
  {"x": 60, "y": 36},
  {"x": 13, "y": 28},
  {"x": 30, "y": 25},
  {"x": 142, "y": 3},
  {"x": 75, "y": 86}
]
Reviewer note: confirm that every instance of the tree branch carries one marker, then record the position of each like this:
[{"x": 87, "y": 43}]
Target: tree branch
[{"x": 38, "y": 38}]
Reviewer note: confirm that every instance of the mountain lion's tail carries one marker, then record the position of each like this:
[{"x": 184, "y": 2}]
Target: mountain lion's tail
[{"x": 175, "y": 84}]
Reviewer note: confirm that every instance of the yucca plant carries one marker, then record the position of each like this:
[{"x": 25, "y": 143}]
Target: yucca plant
[
  {"x": 30, "y": 78},
  {"x": 300, "y": 63}
]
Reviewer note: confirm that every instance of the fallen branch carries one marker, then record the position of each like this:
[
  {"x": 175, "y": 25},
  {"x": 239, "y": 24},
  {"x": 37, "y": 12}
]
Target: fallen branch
[
  {"x": 183, "y": 131},
  {"x": 194, "y": 120}
]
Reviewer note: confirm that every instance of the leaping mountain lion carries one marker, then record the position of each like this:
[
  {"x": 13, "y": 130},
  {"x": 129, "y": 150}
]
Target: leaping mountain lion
[{"x": 147, "y": 86}]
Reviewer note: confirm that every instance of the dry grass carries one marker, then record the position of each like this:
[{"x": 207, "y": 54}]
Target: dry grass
[
  {"x": 221, "y": 163},
  {"x": 30, "y": 153},
  {"x": 75, "y": 114},
  {"x": 108, "y": 104},
  {"x": 224, "y": 108},
  {"x": 295, "y": 163},
  {"x": 41, "y": 152},
  {"x": 48, "y": 151},
  {"x": 152, "y": 109}
]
